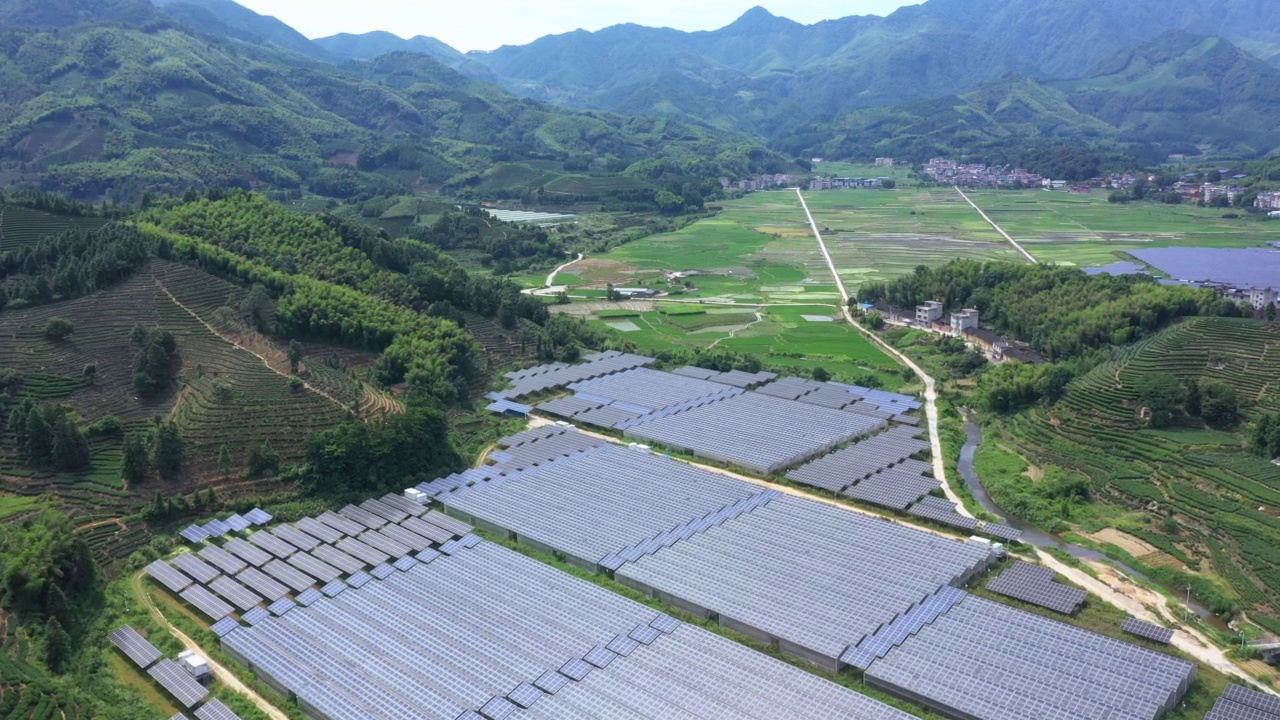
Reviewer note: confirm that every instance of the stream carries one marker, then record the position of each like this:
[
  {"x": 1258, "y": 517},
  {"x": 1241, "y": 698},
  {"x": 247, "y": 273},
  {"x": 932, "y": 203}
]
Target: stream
[{"x": 1037, "y": 537}]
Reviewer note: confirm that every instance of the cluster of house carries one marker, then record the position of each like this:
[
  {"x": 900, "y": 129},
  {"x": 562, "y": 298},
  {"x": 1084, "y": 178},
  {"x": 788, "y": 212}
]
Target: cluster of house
[
  {"x": 763, "y": 182},
  {"x": 1208, "y": 193},
  {"x": 1268, "y": 201},
  {"x": 838, "y": 183},
  {"x": 949, "y": 172},
  {"x": 964, "y": 324}
]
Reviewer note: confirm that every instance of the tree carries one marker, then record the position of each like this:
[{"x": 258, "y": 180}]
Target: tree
[
  {"x": 153, "y": 363},
  {"x": 57, "y": 645},
  {"x": 224, "y": 460},
  {"x": 256, "y": 307},
  {"x": 888, "y": 183},
  {"x": 90, "y": 372},
  {"x": 58, "y": 328},
  {"x": 820, "y": 374},
  {"x": 70, "y": 449},
  {"x": 1219, "y": 405},
  {"x": 167, "y": 451},
  {"x": 134, "y": 469},
  {"x": 261, "y": 459},
  {"x": 875, "y": 320},
  {"x": 295, "y": 355}
]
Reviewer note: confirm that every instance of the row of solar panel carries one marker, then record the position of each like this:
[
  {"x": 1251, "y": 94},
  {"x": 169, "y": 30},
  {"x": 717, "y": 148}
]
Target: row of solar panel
[
  {"x": 1034, "y": 584},
  {"x": 218, "y": 528}
]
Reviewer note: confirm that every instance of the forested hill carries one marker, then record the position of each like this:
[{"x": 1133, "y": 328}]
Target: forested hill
[{"x": 132, "y": 101}]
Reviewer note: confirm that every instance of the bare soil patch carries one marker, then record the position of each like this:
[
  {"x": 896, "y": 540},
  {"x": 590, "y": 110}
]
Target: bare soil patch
[{"x": 1125, "y": 541}]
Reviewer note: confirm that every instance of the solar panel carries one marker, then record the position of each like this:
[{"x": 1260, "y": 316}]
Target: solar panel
[
  {"x": 383, "y": 571},
  {"x": 525, "y": 695},
  {"x": 272, "y": 544},
  {"x": 295, "y": 537},
  {"x": 237, "y": 523},
  {"x": 318, "y": 530},
  {"x": 195, "y": 567},
  {"x": 665, "y": 624},
  {"x": 1034, "y": 584},
  {"x": 434, "y": 533},
  {"x": 362, "y": 516},
  {"x": 308, "y": 597},
  {"x": 256, "y": 615},
  {"x": 358, "y": 549},
  {"x": 262, "y": 584},
  {"x": 134, "y": 646},
  {"x": 281, "y": 606},
  {"x": 215, "y": 710},
  {"x": 1154, "y": 633},
  {"x": 576, "y": 669},
  {"x": 217, "y": 528},
  {"x": 498, "y": 708},
  {"x": 258, "y": 516},
  {"x": 344, "y": 525},
  {"x": 167, "y": 575},
  {"x": 384, "y": 511},
  {"x": 334, "y": 589},
  {"x": 239, "y": 595},
  {"x": 206, "y": 602},
  {"x": 178, "y": 683},
  {"x": 1002, "y": 532},
  {"x": 405, "y": 537},
  {"x": 404, "y": 563},
  {"x": 251, "y": 554},
  {"x": 453, "y": 525},
  {"x": 225, "y": 561},
  {"x": 551, "y": 682},
  {"x": 224, "y": 626},
  {"x": 288, "y": 575},
  {"x": 385, "y": 543},
  {"x": 335, "y": 557},
  {"x": 316, "y": 568},
  {"x": 359, "y": 579},
  {"x": 195, "y": 534}
]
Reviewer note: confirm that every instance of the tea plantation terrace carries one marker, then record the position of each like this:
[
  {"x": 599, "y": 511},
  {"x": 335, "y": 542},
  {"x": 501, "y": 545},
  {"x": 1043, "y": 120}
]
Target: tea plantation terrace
[
  {"x": 831, "y": 586},
  {"x": 484, "y": 632}
]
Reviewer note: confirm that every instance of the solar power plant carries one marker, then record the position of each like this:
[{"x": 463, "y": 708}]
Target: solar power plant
[
  {"x": 295, "y": 537},
  {"x": 988, "y": 661},
  {"x": 1035, "y": 585},
  {"x": 524, "y": 450},
  {"x": 195, "y": 567},
  {"x": 316, "y": 568},
  {"x": 434, "y": 533},
  {"x": 844, "y": 467},
  {"x": 344, "y": 525},
  {"x": 404, "y": 504},
  {"x": 141, "y": 652},
  {"x": 413, "y": 646},
  {"x": 760, "y": 433},
  {"x": 272, "y": 544},
  {"x": 215, "y": 710},
  {"x": 453, "y": 525},
  {"x": 942, "y": 511},
  {"x": 206, "y": 602},
  {"x": 168, "y": 576},
  {"x": 1241, "y": 703},
  {"x": 338, "y": 559},
  {"x": 225, "y": 561},
  {"x": 557, "y": 375},
  {"x": 224, "y": 626},
  {"x": 239, "y": 595},
  {"x": 258, "y": 516},
  {"x": 895, "y": 488},
  {"x": 320, "y": 531},
  {"x": 288, "y": 575},
  {"x": 178, "y": 683},
  {"x": 1146, "y": 630},
  {"x": 195, "y": 534},
  {"x": 237, "y": 523},
  {"x": 217, "y": 528},
  {"x": 383, "y": 510},
  {"x": 605, "y": 501},
  {"x": 263, "y": 584},
  {"x": 608, "y": 416},
  {"x": 1002, "y": 532},
  {"x": 568, "y": 406},
  {"x": 405, "y": 537},
  {"x": 380, "y": 541},
  {"x": 362, "y": 516},
  {"x": 251, "y": 554},
  {"x": 816, "y": 578},
  {"x": 359, "y": 550}
]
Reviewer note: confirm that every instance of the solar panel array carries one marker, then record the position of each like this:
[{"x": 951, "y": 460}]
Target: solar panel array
[
  {"x": 1238, "y": 702},
  {"x": 239, "y": 595},
  {"x": 225, "y": 561},
  {"x": 295, "y": 537},
  {"x": 251, "y": 554},
  {"x": 258, "y": 516},
  {"x": 137, "y": 648},
  {"x": 984, "y": 660},
  {"x": 608, "y": 499},
  {"x": 644, "y": 391},
  {"x": 760, "y": 433},
  {"x": 736, "y": 378},
  {"x": 263, "y": 584},
  {"x": 816, "y": 578},
  {"x": 215, "y": 710},
  {"x": 1146, "y": 630},
  {"x": 195, "y": 567},
  {"x": 878, "y": 644},
  {"x": 224, "y": 626},
  {"x": 195, "y": 534},
  {"x": 839, "y": 395},
  {"x": 942, "y": 511},
  {"x": 288, "y": 575},
  {"x": 206, "y": 602},
  {"x": 524, "y": 450},
  {"x": 542, "y": 378},
  {"x": 895, "y": 488},
  {"x": 846, "y": 466},
  {"x": 272, "y": 544},
  {"x": 1002, "y": 532},
  {"x": 167, "y": 575},
  {"x": 413, "y": 646},
  {"x": 237, "y": 523},
  {"x": 1035, "y": 584},
  {"x": 178, "y": 683}
]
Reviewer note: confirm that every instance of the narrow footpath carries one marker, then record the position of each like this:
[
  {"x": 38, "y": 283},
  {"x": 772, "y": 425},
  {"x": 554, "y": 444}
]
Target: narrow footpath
[
  {"x": 998, "y": 229},
  {"x": 930, "y": 388}
]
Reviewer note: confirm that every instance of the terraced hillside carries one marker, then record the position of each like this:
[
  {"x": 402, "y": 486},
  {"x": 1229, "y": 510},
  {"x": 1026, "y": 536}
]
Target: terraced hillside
[
  {"x": 225, "y": 396},
  {"x": 1208, "y": 503},
  {"x": 21, "y": 226}
]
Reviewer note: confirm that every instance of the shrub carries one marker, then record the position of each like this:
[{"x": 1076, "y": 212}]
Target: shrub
[{"x": 58, "y": 328}]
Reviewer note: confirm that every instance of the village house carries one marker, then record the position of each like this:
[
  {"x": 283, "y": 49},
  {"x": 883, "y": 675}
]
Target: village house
[{"x": 1267, "y": 201}]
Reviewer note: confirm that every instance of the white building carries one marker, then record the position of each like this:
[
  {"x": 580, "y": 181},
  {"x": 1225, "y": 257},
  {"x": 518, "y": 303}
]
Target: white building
[
  {"x": 196, "y": 665},
  {"x": 966, "y": 319},
  {"x": 928, "y": 312},
  {"x": 1261, "y": 297}
]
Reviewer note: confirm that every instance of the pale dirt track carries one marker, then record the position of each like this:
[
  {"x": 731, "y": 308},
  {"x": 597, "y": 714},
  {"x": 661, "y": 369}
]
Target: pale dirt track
[{"x": 224, "y": 676}]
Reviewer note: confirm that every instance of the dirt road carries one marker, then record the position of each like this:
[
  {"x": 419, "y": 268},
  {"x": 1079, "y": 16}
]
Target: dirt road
[
  {"x": 998, "y": 229},
  {"x": 224, "y": 676}
]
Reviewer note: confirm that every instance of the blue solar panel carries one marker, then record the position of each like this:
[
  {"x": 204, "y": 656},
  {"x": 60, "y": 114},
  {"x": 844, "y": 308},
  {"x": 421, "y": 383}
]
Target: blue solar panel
[
  {"x": 383, "y": 571},
  {"x": 451, "y": 547},
  {"x": 470, "y": 541},
  {"x": 665, "y": 624},
  {"x": 281, "y": 606},
  {"x": 195, "y": 534},
  {"x": 524, "y": 695},
  {"x": 576, "y": 669},
  {"x": 428, "y": 555},
  {"x": 644, "y": 634},
  {"x": 255, "y": 615},
  {"x": 600, "y": 656},
  {"x": 308, "y": 597},
  {"x": 359, "y": 579},
  {"x": 551, "y": 682},
  {"x": 498, "y": 708},
  {"x": 334, "y": 589},
  {"x": 404, "y": 563},
  {"x": 224, "y": 626},
  {"x": 622, "y": 645},
  {"x": 258, "y": 516}
]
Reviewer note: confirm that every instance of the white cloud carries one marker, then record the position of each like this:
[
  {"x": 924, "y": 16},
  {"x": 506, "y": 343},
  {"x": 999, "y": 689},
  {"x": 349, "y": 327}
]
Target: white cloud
[{"x": 487, "y": 24}]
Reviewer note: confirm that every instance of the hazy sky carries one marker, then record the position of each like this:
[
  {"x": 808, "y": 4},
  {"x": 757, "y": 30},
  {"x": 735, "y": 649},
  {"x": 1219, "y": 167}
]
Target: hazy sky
[{"x": 487, "y": 24}]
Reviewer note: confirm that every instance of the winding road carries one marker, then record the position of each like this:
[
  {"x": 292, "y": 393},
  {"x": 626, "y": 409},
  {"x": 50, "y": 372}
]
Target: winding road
[{"x": 930, "y": 387}]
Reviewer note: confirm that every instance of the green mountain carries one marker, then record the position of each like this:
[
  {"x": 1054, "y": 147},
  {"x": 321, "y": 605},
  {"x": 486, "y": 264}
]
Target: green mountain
[
  {"x": 769, "y": 75},
  {"x": 110, "y": 107},
  {"x": 1175, "y": 93},
  {"x": 372, "y": 44},
  {"x": 230, "y": 19}
]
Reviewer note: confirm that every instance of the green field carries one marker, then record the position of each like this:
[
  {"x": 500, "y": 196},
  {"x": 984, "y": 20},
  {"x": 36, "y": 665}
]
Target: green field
[{"x": 1193, "y": 493}]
